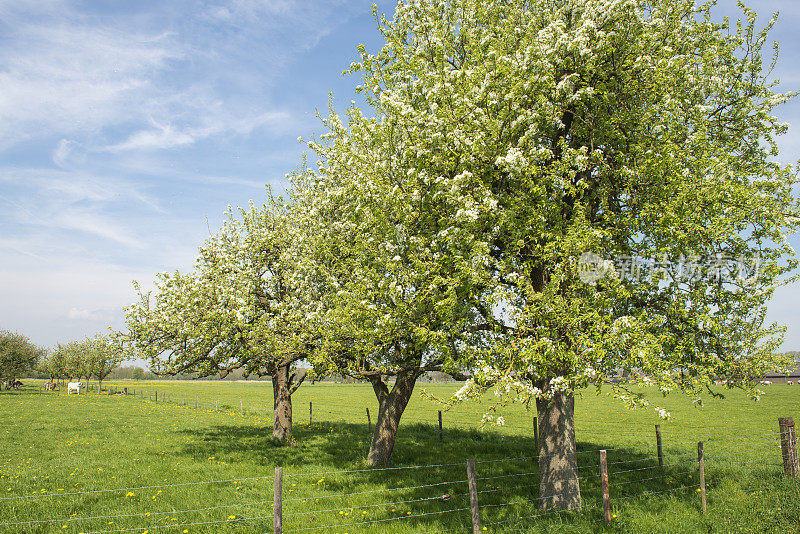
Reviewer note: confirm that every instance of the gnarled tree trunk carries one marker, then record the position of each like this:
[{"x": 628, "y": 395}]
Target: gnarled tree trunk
[
  {"x": 390, "y": 408},
  {"x": 558, "y": 464},
  {"x": 284, "y": 383}
]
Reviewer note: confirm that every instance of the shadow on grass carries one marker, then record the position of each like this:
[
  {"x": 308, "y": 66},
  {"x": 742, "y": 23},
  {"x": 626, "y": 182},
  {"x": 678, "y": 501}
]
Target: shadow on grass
[{"x": 436, "y": 494}]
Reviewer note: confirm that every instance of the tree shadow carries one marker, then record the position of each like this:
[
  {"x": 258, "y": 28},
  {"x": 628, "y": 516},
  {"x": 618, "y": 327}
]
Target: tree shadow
[{"x": 426, "y": 487}]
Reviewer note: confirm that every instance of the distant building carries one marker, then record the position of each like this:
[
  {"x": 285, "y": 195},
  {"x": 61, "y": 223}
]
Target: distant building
[{"x": 793, "y": 376}]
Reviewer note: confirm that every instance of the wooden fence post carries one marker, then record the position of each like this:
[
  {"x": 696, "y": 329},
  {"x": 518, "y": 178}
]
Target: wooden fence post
[
  {"x": 791, "y": 466},
  {"x": 369, "y": 421},
  {"x": 310, "y": 413},
  {"x": 156, "y": 396},
  {"x": 604, "y": 487},
  {"x": 277, "y": 503},
  {"x": 441, "y": 436},
  {"x": 702, "y": 468},
  {"x": 658, "y": 446},
  {"x": 536, "y": 433},
  {"x": 473, "y": 497}
]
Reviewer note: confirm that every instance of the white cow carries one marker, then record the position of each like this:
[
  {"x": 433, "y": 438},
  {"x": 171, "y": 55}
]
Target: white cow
[{"x": 74, "y": 386}]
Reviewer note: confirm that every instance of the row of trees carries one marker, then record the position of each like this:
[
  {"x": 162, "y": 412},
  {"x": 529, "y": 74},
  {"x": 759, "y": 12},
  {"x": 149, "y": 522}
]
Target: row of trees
[
  {"x": 446, "y": 229},
  {"x": 94, "y": 357}
]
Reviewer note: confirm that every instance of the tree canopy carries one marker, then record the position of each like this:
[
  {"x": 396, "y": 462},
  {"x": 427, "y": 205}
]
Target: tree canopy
[
  {"x": 517, "y": 147},
  {"x": 239, "y": 309},
  {"x": 104, "y": 354},
  {"x": 17, "y": 355}
]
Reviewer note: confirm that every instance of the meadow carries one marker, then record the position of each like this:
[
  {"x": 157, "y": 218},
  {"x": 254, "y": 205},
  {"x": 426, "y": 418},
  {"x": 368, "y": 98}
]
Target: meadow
[{"x": 114, "y": 463}]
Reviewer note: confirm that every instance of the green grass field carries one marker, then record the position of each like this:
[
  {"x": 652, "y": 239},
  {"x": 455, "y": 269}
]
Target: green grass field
[{"x": 110, "y": 463}]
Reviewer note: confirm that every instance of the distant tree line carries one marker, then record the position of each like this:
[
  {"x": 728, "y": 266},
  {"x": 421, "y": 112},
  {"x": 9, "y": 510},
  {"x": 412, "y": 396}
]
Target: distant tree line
[{"x": 96, "y": 357}]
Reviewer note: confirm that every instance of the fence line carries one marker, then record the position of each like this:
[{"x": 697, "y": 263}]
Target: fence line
[
  {"x": 143, "y": 514},
  {"x": 44, "y": 495},
  {"x": 330, "y": 496},
  {"x": 317, "y": 511},
  {"x": 175, "y": 525},
  {"x": 623, "y": 480},
  {"x": 372, "y": 469},
  {"x": 412, "y": 516},
  {"x": 485, "y": 506}
]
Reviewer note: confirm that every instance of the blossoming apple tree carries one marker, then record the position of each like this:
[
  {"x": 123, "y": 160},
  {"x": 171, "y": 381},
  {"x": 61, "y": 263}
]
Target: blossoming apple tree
[
  {"x": 239, "y": 309},
  {"x": 103, "y": 354},
  {"x": 591, "y": 183},
  {"x": 396, "y": 249}
]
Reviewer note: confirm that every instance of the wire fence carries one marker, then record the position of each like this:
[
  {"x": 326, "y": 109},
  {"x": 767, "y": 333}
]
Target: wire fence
[
  {"x": 508, "y": 494},
  {"x": 498, "y": 494}
]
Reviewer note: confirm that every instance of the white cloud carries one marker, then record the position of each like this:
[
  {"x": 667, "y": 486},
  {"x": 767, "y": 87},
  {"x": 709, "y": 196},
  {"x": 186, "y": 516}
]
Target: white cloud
[
  {"x": 160, "y": 79},
  {"x": 77, "y": 79},
  {"x": 97, "y": 225},
  {"x": 161, "y": 138},
  {"x": 67, "y": 154},
  {"x": 167, "y": 136}
]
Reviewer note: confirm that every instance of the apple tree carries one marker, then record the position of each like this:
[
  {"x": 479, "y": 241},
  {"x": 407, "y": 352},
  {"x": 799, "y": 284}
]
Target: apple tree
[
  {"x": 17, "y": 355},
  {"x": 240, "y": 308},
  {"x": 595, "y": 179}
]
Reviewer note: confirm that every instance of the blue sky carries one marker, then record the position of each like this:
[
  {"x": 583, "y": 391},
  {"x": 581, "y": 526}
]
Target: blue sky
[{"x": 127, "y": 128}]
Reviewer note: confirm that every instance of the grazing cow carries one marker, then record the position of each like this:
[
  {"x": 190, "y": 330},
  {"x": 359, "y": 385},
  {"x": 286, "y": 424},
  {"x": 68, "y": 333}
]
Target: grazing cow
[
  {"x": 74, "y": 386},
  {"x": 5, "y": 385},
  {"x": 16, "y": 384},
  {"x": 50, "y": 386}
]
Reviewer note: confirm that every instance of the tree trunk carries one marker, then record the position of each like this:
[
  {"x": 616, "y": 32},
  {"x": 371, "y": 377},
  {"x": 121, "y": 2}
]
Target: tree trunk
[
  {"x": 99, "y": 385},
  {"x": 390, "y": 408},
  {"x": 282, "y": 397},
  {"x": 558, "y": 463}
]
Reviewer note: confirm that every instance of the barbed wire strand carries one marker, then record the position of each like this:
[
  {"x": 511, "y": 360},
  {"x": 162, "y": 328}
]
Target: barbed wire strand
[
  {"x": 330, "y": 496},
  {"x": 292, "y": 514},
  {"x": 175, "y": 525},
  {"x": 89, "y": 492},
  {"x": 144, "y": 514},
  {"x": 375, "y": 469},
  {"x": 411, "y": 516}
]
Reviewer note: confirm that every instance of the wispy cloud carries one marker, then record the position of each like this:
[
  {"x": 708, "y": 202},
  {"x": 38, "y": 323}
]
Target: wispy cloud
[
  {"x": 165, "y": 81},
  {"x": 166, "y": 136},
  {"x": 77, "y": 79},
  {"x": 97, "y": 225}
]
